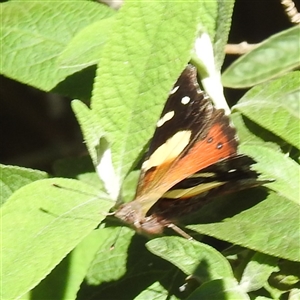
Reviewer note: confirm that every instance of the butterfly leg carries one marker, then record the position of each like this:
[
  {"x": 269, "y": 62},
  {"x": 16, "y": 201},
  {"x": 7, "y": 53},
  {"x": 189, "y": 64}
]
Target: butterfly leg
[{"x": 180, "y": 231}]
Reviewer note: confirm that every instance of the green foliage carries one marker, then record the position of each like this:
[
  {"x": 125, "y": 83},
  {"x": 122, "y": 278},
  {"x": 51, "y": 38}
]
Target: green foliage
[
  {"x": 13, "y": 178},
  {"x": 41, "y": 224},
  {"x": 35, "y": 34},
  {"x": 49, "y": 248},
  {"x": 272, "y": 58}
]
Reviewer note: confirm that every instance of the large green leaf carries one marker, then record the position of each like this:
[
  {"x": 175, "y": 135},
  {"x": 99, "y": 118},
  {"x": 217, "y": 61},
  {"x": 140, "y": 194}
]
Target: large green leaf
[
  {"x": 284, "y": 91},
  {"x": 275, "y": 56},
  {"x": 33, "y": 34},
  {"x": 41, "y": 224},
  {"x": 150, "y": 45},
  {"x": 70, "y": 273},
  {"x": 270, "y": 227}
]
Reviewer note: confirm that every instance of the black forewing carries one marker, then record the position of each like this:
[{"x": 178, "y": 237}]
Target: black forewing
[{"x": 196, "y": 114}]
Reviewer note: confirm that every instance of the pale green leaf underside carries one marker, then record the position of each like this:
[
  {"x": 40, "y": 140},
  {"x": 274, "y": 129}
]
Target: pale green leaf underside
[
  {"x": 282, "y": 91},
  {"x": 41, "y": 223},
  {"x": 34, "y": 34},
  {"x": 274, "y": 57},
  {"x": 270, "y": 227}
]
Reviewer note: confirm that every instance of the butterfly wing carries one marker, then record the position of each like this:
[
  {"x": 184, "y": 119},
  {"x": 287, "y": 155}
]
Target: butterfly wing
[
  {"x": 193, "y": 151},
  {"x": 227, "y": 176},
  {"x": 232, "y": 174},
  {"x": 190, "y": 135}
]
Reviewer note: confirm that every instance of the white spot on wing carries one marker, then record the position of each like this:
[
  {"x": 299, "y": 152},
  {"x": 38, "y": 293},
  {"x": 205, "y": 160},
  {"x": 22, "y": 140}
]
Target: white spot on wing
[
  {"x": 185, "y": 100},
  {"x": 169, "y": 150},
  {"x": 167, "y": 117},
  {"x": 145, "y": 164},
  {"x": 174, "y": 90}
]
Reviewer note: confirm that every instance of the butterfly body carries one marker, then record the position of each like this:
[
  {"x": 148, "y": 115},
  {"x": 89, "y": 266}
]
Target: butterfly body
[{"x": 193, "y": 153}]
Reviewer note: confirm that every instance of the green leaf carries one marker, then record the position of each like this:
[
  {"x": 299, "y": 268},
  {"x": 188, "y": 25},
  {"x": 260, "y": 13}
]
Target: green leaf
[
  {"x": 121, "y": 261},
  {"x": 271, "y": 227},
  {"x": 12, "y": 178},
  {"x": 155, "y": 292},
  {"x": 41, "y": 224},
  {"x": 80, "y": 168},
  {"x": 98, "y": 147},
  {"x": 85, "y": 48},
  {"x": 110, "y": 259},
  {"x": 257, "y": 272},
  {"x": 284, "y": 88},
  {"x": 287, "y": 278},
  {"x": 149, "y": 47},
  {"x": 91, "y": 128},
  {"x": 207, "y": 17},
  {"x": 223, "y": 24},
  {"x": 275, "y": 56},
  {"x": 264, "y": 106},
  {"x": 208, "y": 54},
  {"x": 226, "y": 288},
  {"x": 34, "y": 34},
  {"x": 278, "y": 167},
  {"x": 250, "y": 133},
  {"x": 274, "y": 117},
  {"x": 200, "y": 260},
  {"x": 70, "y": 273}
]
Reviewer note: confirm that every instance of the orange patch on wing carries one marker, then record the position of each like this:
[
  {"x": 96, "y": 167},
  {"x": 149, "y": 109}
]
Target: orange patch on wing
[{"x": 202, "y": 154}]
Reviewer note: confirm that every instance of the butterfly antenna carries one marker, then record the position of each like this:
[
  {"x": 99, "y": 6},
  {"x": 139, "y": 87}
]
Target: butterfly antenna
[{"x": 79, "y": 191}]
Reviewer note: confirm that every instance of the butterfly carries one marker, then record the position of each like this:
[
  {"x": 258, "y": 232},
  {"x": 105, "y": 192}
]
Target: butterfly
[{"x": 192, "y": 157}]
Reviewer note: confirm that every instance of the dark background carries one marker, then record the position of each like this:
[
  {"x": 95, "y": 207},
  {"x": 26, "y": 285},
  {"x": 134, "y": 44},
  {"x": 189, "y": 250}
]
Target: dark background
[{"x": 37, "y": 128}]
